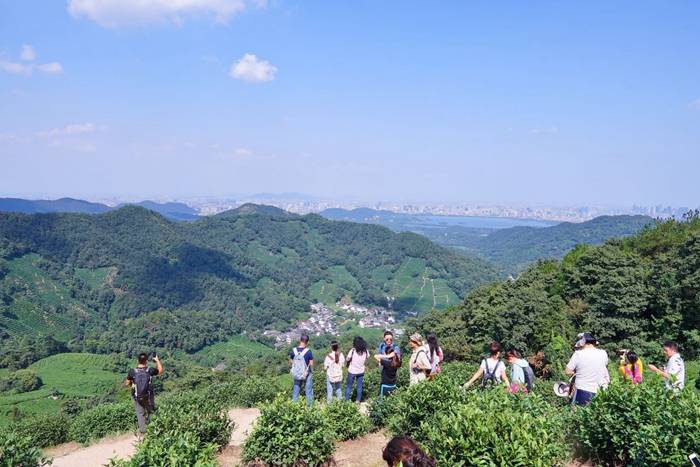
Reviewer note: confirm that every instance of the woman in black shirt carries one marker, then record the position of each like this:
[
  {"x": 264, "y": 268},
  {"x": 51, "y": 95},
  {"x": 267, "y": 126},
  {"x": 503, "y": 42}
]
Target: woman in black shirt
[{"x": 390, "y": 365}]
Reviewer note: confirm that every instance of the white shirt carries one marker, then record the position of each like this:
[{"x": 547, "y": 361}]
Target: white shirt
[
  {"x": 419, "y": 363},
  {"x": 357, "y": 362},
  {"x": 330, "y": 361},
  {"x": 591, "y": 367},
  {"x": 676, "y": 372},
  {"x": 499, "y": 373}
]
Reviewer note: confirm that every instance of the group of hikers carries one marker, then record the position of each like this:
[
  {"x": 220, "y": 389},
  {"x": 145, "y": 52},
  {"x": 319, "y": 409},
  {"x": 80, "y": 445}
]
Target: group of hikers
[
  {"x": 424, "y": 363},
  {"x": 587, "y": 367}
]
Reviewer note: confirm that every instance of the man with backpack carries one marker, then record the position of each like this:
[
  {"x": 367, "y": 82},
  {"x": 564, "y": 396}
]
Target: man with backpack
[
  {"x": 302, "y": 361},
  {"x": 140, "y": 379}
]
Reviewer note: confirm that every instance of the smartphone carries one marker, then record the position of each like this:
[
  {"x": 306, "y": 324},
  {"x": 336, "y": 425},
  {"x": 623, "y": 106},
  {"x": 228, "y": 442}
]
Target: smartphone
[{"x": 694, "y": 460}]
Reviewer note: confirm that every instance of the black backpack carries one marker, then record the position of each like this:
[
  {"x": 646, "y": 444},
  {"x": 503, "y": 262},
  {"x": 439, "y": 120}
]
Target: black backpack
[
  {"x": 142, "y": 384},
  {"x": 489, "y": 374}
]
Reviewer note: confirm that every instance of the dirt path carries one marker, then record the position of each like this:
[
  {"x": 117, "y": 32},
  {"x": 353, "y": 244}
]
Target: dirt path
[
  {"x": 362, "y": 452},
  {"x": 73, "y": 455}
]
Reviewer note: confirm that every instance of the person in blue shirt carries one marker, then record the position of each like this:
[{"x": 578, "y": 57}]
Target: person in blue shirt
[
  {"x": 388, "y": 342},
  {"x": 302, "y": 362}
]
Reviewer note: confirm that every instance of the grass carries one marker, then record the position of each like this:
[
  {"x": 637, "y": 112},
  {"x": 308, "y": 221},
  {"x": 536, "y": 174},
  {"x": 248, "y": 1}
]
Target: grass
[
  {"x": 236, "y": 348},
  {"x": 72, "y": 374}
]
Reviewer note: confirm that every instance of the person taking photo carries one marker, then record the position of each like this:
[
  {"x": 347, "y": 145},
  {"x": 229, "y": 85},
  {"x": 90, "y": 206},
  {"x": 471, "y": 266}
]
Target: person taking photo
[{"x": 140, "y": 380}]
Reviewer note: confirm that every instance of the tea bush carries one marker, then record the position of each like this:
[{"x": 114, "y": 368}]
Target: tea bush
[
  {"x": 188, "y": 429},
  {"x": 246, "y": 392},
  {"x": 382, "y": 408},
  {"x": 289, "y": 433},
  {"x": 495, "y": 428},
  {"x": 19, "y": 451},
  {"x": 640, "y": 425},
  {"x": 345, "y": 420},
  {"x": 191, "y": 412},
  {"x": 179, "y": 450},
  {"x": 420, "y": 401},
  {"x": 44, "y": 430},
  {"x": 103, "y": 420}
]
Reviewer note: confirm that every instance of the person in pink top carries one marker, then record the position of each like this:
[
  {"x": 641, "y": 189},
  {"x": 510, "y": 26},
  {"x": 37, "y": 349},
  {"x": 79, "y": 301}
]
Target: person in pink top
[{"x": 356, "y": 359}]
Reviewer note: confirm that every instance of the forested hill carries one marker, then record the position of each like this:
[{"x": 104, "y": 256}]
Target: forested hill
[
  {"x": 516, "y": 247},
  {"x": 630, "y": 293},
  {"x": 105, "y": 282}
]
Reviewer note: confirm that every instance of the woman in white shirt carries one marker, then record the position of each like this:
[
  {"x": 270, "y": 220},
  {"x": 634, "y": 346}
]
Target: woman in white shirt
[
  {"x": 420, "y": 363},
  {"x": 333, "y": 364},
  {"x": 492, "y": 369},
  {"x": 356, "y": 367}
]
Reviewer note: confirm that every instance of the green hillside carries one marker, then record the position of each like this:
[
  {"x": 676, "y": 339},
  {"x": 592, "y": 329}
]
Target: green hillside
[
  {"x": 68, "y": 374},
  {"x": 130, "y": 279},
  {"x": 515, "y": 248},
  {"x": 629, "y": 293}
]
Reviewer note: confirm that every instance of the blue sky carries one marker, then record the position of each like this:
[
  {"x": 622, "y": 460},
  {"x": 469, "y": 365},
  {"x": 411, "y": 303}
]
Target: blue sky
[{"x": 525, "y": 102}]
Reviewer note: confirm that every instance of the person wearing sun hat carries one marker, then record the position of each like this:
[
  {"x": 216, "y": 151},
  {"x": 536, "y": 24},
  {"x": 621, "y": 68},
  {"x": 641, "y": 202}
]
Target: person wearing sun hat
[
  {"x": 590, "y": 365},
  {"x": 419, "y": 363}
]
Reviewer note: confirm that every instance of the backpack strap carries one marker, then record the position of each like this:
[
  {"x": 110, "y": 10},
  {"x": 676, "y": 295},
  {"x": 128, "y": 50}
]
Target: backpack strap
[{"x": 486, "y": 365}]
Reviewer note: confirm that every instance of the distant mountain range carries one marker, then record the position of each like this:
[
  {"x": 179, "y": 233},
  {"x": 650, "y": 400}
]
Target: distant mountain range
[
  {"x": 511, "y": 249},
  {"x": 172, "y": 211}
]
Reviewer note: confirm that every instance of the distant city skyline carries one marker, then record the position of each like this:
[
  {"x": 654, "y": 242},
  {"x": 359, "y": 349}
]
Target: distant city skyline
[
  {"x": 527, "y": 104},
  {"x": 300, "y": 203}
]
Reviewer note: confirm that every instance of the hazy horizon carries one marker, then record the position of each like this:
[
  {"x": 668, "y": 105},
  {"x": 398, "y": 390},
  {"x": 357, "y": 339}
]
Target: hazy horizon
[{"x": 535, "y": 104}]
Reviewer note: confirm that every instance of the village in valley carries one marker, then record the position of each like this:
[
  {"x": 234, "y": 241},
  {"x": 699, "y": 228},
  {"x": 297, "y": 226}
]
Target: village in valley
[{"x": 327, "y": 320}]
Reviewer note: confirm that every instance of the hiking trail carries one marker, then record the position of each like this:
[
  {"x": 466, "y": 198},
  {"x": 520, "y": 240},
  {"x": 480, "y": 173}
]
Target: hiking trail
[{"x": 362, "y": 452}]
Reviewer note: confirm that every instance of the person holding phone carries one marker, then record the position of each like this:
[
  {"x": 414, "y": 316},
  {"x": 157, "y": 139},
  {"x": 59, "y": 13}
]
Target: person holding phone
[
  {"x": 140, "y": 379},
  {"x": 674, "y": 371}
]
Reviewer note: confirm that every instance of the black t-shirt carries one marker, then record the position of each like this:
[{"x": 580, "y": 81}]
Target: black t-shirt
[
  {"x": 132, "y": 373},
  {"x": 388, "y": 373}
]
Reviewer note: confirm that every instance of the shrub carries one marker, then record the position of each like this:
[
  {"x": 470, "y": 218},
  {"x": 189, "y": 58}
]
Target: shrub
[
  {"x": 495, "y": 428},
  {"x": 103, "y": 420},
  {"x": 420, "y": 401},
  {"x": 289, "y": 433},
  {"x": 640, "y": 425},
  {"x": 345, "y": 420},
  {"x": 20, "y": 381},
  {"x": 44, "y": 430},
  {"x": 192, "y": 412},
  {"x": 19, "y": 451},
  {"x": 178, "y": 450},
  {"x": 246, "y": 392},
  {"x": 381, "y": 409},
  {"x": 188, "y": 429}
]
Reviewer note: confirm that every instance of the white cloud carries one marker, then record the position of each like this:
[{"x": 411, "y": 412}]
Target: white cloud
[
  {"x": 16, "y": 68},
  {"x": 52, "y": 68},
  {"x": 28, "y": 54},
  {"x": 695, "y": 104},
  {"x": 69, "y": 130},
  {"x": 119, "y": 13},
  {"x": 250, "y": 68}
]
